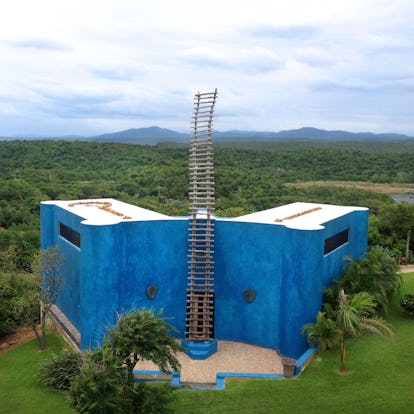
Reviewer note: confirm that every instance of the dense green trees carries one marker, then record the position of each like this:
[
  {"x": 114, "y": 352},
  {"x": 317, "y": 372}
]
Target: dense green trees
[{"x": 249, "y": 177}]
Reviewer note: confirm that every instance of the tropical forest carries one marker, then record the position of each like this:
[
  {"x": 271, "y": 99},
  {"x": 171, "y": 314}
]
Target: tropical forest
[{"x": 249, "y": 176}]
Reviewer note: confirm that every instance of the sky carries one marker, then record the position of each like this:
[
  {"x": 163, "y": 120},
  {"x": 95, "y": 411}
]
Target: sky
[{"x": 87, "y": 67}]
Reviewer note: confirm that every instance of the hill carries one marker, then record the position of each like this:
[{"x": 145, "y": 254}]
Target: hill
[{"x": 155, "y": 135}]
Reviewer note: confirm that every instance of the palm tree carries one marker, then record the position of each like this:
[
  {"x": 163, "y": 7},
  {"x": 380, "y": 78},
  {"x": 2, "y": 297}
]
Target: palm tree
[
  {"x": 323, "y": 333},
  {"x": 354, "y": 317}
]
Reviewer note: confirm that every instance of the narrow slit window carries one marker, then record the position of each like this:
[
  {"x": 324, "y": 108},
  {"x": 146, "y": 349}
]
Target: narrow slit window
[
  {"x": 69, "y": 234},
  {"x": 336, "y": 241}
]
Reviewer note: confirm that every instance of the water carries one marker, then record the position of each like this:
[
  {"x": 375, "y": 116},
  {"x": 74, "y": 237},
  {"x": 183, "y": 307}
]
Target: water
[{"x": 408, "y": 198}]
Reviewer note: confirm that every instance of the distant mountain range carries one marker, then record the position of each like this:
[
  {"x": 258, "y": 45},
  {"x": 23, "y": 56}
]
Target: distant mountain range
[{"x": 154, "y": 135}]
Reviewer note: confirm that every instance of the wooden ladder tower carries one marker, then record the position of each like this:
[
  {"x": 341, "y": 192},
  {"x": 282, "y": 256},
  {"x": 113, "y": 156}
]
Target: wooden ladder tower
[{"x": 200, "y": 287}]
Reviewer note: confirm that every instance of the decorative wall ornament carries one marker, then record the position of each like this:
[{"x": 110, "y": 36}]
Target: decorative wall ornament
[
  {"x": 152, "y": 291},
  {"x": 249, "y": 295}
]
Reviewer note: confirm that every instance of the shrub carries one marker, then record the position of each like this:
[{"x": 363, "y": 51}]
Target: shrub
[
  {"x": 106, "y": 382},
  {"x": 323, "y": 333},
  {"x": 16, "y": 308},
  {"x": 59, "y": 370},
  {"x": 377, "y": 274},
  {"x": 152, "y": 399},
  {"x": 99, "y": 389},
  {"x": 407, "y": 303}
]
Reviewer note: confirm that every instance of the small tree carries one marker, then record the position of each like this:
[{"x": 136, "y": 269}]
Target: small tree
[
  {"x": 353, "y": 317},
  {"x": 45, "y": 291},
  {"x": 142, "y": 334},
  {"x": 106, "y": 382}
]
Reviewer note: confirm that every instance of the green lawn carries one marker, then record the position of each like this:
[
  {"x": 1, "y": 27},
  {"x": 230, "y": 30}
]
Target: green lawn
[
  {"x": 20, "y": 392},
  {"x": 381, "y": 381}
]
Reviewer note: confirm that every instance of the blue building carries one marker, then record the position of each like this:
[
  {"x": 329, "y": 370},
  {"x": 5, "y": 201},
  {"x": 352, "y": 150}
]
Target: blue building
[{"x": 270, "y": 266}]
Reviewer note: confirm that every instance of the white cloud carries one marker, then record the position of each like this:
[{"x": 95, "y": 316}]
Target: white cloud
[{"x": 89, "y": 66}]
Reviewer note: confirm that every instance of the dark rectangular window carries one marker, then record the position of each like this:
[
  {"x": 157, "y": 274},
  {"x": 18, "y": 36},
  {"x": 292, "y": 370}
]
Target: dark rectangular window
[
  {"x": 336, "y": 241},
  {"x": 70, "y": 234}
]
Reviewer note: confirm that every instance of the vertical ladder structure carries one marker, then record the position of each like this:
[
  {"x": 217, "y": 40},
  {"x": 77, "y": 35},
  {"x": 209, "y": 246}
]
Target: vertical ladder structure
[{"x": 200, "y": 287}]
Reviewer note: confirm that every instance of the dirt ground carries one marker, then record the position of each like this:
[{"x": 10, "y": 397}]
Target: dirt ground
[
  {"x": 407, "y": 269},
  {"x": 17, "y": 338}
]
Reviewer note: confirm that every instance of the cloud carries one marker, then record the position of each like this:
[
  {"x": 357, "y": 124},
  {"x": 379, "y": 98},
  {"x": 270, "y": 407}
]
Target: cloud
[
  {"x": 119, "y": 74},
  {"x": 83, "y": 66},
  {"x": 41, "y": 44},
  {"x": 299, "y": 32}
]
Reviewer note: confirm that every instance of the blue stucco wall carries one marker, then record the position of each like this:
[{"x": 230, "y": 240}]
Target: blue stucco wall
[
  {"x": 357, "y": 223},
  {"x": 286, "y": 267},
  {"x": 69, "y": 295},
  {"x": 301, "y": 291},
  {"x": 120, "y": 261},
  {"x": 248, "y": 256}
]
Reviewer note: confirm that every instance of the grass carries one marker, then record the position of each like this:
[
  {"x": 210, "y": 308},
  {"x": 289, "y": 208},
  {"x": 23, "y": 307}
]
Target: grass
[
  {"x": 380, "y": 381},
  {"x": 20, "y": 391}
]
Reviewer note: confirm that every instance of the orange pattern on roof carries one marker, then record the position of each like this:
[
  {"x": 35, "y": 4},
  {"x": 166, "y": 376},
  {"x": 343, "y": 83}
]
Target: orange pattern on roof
[
  {"x": 302, "y": 213},
  {"x": 102, "y": 205}
]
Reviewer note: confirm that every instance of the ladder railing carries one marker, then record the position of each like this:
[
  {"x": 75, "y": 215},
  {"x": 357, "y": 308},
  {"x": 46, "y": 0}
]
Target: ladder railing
[{"x": 200, "y": 287}]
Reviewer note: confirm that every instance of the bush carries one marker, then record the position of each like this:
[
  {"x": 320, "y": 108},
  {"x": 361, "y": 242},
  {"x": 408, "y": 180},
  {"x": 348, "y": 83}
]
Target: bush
[
  {"x": 16, "y": 308},
  {"x": 103, "y": 388},
  {"x": 60, "y": 369},
  {"x": 407, "y": 303},
  {"x": 106, "y": 383},
  {"x": 152, "y": 399},
  {"x": 377, "y": 274}
]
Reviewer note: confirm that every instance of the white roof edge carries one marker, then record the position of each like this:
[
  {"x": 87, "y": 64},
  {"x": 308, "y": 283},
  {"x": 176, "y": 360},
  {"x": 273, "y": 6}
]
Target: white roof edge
[
  {"x": 299, "y": 215},
  {"x": 106, "y": 211}
]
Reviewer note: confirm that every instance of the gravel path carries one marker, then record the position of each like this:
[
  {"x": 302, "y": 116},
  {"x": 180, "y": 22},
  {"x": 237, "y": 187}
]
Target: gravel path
[{"x": 230, "y": 357}]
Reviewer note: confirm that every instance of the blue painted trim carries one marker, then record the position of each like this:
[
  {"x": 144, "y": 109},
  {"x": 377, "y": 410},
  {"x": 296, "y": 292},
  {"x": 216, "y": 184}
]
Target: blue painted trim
[
  {"x": 176, "y": 379},
  {"x": 304, "y": 358},
  {"x": 221, "y": 376},
  {"x": 199, "y": 350}
]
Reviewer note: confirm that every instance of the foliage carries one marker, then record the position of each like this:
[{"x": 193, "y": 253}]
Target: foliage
[
  {"x": 99, "y": 388},
  {"x": 367, "y": 390},
  {"x": 58, "y": 371},
  {"x": 323, "y": 333},
  {"x": 105, "y": 386},
  {"x": 143, "y": 334},
  {"x": 249, "y": 177},
  {"x": 102, "y": 387},
  {"x": 50, "y": 281},
  {"x": 395, "y": 221},
  {"x": 16, "y": 304},
  {"x": 407, "y": 303},
  {"x": 152, "y": 399},
  {"x": 353, "y": 316},
  {"x": 377, "y": 273}
]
